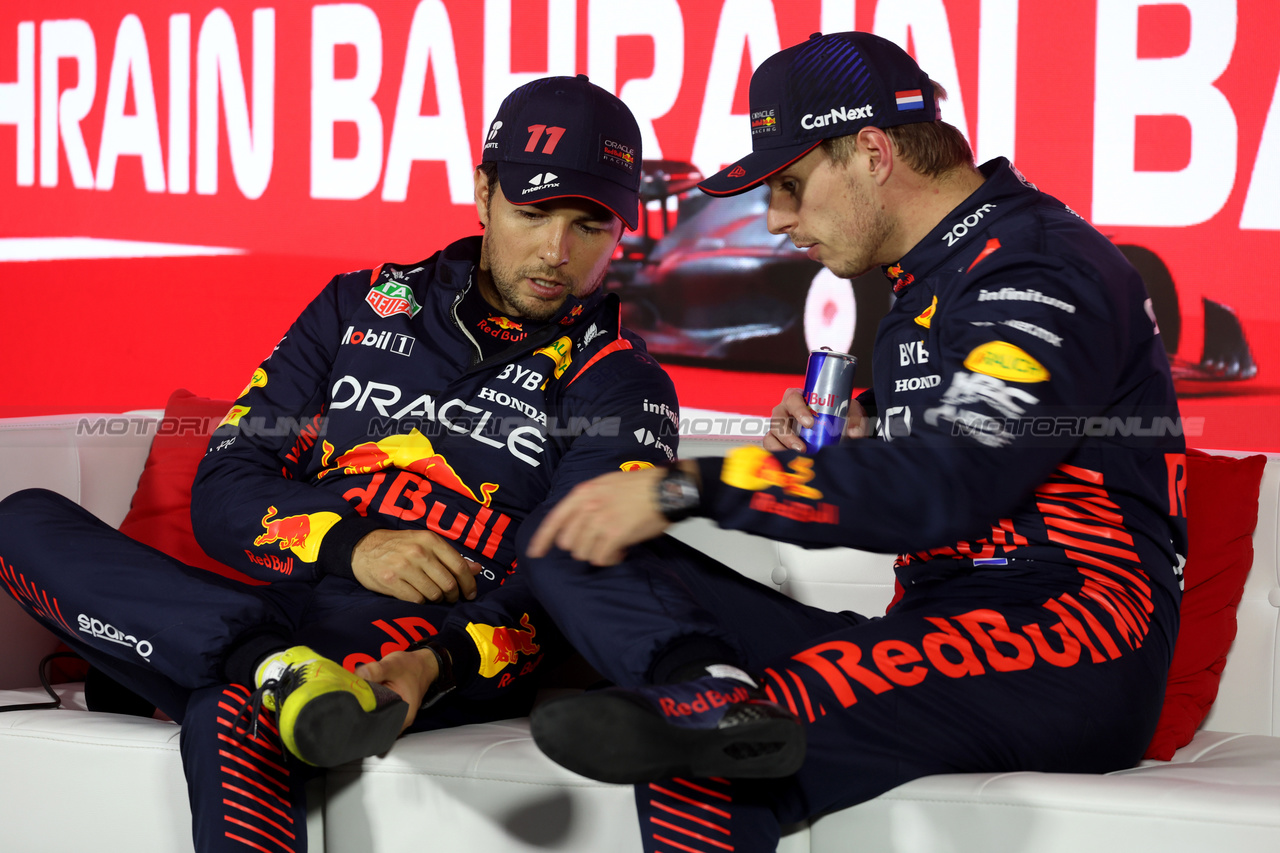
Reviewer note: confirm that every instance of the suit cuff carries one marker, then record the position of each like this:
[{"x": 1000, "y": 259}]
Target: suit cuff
[
  {"x": 462, "y": 649},
  {"x": 335, "y": 550},
  {"x": 709, "y": 473}
]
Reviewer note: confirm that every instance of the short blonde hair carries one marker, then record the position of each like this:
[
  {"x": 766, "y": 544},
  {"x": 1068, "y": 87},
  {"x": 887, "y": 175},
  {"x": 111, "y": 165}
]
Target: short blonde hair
[{"x": 930, "y": 148}]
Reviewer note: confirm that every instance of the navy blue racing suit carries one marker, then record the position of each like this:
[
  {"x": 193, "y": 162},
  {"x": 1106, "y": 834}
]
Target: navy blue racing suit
[
  {"x": 397, "y": 400},
  {"x": 1029, "y": 471}
]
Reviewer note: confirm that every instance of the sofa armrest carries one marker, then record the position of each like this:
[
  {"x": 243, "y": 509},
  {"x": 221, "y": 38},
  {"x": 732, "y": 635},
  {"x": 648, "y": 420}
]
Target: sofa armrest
[
  {"x": 25, "y": 641},
  {"x": 94, "y": 460}
]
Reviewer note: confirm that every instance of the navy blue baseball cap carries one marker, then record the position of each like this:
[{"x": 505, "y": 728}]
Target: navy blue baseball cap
[
  {"x": 830, "y": 85},
  {"x": 565, "y": 137}
]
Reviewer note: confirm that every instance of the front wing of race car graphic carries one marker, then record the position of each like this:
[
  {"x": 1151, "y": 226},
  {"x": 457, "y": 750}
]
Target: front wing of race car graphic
[{"x": 1225, "y": 356}]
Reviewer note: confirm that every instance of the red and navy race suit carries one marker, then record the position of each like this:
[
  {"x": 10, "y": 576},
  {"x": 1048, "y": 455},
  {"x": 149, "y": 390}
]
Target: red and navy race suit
[
  {"x": 374, "y": 411},
  {"x": 1025, "y": 409},
  {"x": 1029, "y": 470}
]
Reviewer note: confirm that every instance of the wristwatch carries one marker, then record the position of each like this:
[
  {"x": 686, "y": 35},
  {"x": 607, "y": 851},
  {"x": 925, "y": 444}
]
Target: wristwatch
[
  {"x": 678, "y": 495},
  {"x": 444, "y": 682}
]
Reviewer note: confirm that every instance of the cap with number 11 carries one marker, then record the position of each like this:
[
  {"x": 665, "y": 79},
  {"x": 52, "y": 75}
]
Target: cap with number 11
[{"x": 564, "y": 137}]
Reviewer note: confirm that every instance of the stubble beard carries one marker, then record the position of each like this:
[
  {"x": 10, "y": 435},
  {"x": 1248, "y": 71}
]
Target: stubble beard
[
  {"x": 867, "y": 231},
  {"x": 508, "y": 285}
]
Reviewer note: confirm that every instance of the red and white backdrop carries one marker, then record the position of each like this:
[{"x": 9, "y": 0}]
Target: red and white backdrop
[{"x": 178, "y": 177}]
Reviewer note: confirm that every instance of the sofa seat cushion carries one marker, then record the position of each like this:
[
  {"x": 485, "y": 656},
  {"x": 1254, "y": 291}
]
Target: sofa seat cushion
[
  {"x": 481, "y": 787},
  {"x": 478, "y": 787},
  {"x": 100, "y": 767},
  {"x": 76, "y": 780},
  {"x": 1218, "y": 793}
]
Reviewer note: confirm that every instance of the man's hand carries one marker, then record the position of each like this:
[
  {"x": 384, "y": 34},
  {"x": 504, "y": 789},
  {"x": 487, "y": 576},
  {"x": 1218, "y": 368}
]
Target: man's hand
[
  {"x": 599, "y": 519},
  {"x": 413, "y": 565},
  {"x": 407, "y": 673},
  {"x": 793, "y": 410}
]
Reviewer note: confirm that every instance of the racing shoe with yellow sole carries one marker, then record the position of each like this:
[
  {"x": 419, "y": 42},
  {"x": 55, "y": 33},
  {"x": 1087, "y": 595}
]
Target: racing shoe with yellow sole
[
  {"x": 709, "y": 726},
  {"x": 327, "y": 716}
]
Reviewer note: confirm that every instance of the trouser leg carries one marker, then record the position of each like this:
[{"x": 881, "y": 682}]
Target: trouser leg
[
  {"x": 351, "y": 625},
  {"x": 1039, "y": 667},
  {"x": 162, "y": 692},
  {"x": 707, "y": 816},
  {"x": 119, "y": 599},
  {"x": 635, "y": 621},
  {"x": 977, "y": 674},
  {"x": 246, "y": 791}
]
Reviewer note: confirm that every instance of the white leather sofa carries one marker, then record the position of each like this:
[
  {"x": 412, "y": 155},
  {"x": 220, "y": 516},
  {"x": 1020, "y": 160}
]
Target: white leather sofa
[{"x": 71, "y": 780}]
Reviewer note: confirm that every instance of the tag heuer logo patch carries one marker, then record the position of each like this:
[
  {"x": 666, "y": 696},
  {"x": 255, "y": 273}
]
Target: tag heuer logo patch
[{"x": 390, "y": 298}]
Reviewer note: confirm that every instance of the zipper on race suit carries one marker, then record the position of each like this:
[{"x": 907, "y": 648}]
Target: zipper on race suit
[
  {"x": 535, "y": 341},
  {"x": 528, "y": 345},
  {"x": 478, "y": 355}
]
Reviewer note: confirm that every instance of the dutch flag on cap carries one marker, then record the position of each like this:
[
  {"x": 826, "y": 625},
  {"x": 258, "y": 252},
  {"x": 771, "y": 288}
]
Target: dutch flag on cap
[{"x": 912, "y": 99}]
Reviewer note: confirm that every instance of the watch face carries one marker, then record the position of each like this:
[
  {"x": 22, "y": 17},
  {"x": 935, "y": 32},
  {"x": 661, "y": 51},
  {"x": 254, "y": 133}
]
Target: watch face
[{"x": 677, "y": 495}]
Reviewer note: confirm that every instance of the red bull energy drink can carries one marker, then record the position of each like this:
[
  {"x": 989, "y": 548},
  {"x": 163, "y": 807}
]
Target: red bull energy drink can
[{"x": 828, "y": 387}]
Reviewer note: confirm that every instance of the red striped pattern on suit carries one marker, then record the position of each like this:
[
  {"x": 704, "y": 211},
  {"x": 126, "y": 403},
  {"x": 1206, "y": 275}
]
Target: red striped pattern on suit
[
  {"x": 34, "y": 599},
  {"x": 255, "y": 780},
  {"x": 689, "y": 816}
]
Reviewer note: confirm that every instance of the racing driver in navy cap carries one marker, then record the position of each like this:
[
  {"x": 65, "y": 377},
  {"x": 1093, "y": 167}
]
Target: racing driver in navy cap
[
  {"x": 374, "y": 472},
  {"x": 1038, "y": 563}
]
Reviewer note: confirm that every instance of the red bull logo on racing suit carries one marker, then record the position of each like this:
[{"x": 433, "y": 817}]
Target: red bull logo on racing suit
[
  {"x": 503, "y": 328},
  {"x": 756, "y": 469},
  {"x": 500, "y": 645},
  {"x": 410, "y": 452},
  {"x": 300, "y": 534},
  {"x": 703, "y": 702}
]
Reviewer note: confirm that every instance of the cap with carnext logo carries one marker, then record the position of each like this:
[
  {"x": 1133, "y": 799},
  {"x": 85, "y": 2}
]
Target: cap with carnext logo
[
  {"x": 830, "y": 85},
  {"x": 560, "y": 137}
]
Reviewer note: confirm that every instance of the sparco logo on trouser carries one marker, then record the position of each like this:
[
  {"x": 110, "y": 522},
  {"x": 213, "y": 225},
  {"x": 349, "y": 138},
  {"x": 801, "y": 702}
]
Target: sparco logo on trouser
[{"x": 100, "y": 630}]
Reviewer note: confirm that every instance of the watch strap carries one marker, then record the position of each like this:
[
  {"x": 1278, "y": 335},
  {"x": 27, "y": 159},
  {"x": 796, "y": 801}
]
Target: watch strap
[
  {"x": 678, "y": 495},
  {"x": 444, "y": 683}
]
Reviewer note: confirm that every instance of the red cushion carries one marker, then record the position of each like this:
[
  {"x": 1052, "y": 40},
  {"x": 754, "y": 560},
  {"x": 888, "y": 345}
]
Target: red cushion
[
  {"x": 1222, "y": 511},
  {"x": 160, "y": 513}
]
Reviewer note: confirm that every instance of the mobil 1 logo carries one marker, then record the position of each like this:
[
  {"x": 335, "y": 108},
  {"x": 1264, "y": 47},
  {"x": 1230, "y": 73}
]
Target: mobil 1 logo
[{"x": 383, "y": 340}]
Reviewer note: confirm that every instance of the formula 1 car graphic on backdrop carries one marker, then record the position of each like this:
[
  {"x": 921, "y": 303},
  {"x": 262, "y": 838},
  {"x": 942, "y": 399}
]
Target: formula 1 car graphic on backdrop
[
  {"x": 705, "y": 281},
  {"x": 1225, "y": 355}
]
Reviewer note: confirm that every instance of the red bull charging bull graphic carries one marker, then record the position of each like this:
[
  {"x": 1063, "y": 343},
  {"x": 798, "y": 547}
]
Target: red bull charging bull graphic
[
  {"x": 503, "y": 328},
  {"x": 500, "y": 645},
  {"x": 410, "y": 452},
  {"x": 300, "y": 534},
  {"x": 755, "y": 468},
  {"x": 758, "y": 470}
]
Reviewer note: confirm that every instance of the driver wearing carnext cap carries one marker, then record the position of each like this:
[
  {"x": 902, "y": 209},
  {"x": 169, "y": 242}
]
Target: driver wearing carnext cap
[
  {"x": 795, "y": 106},
  {"x": 1038, "y": 548}
]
